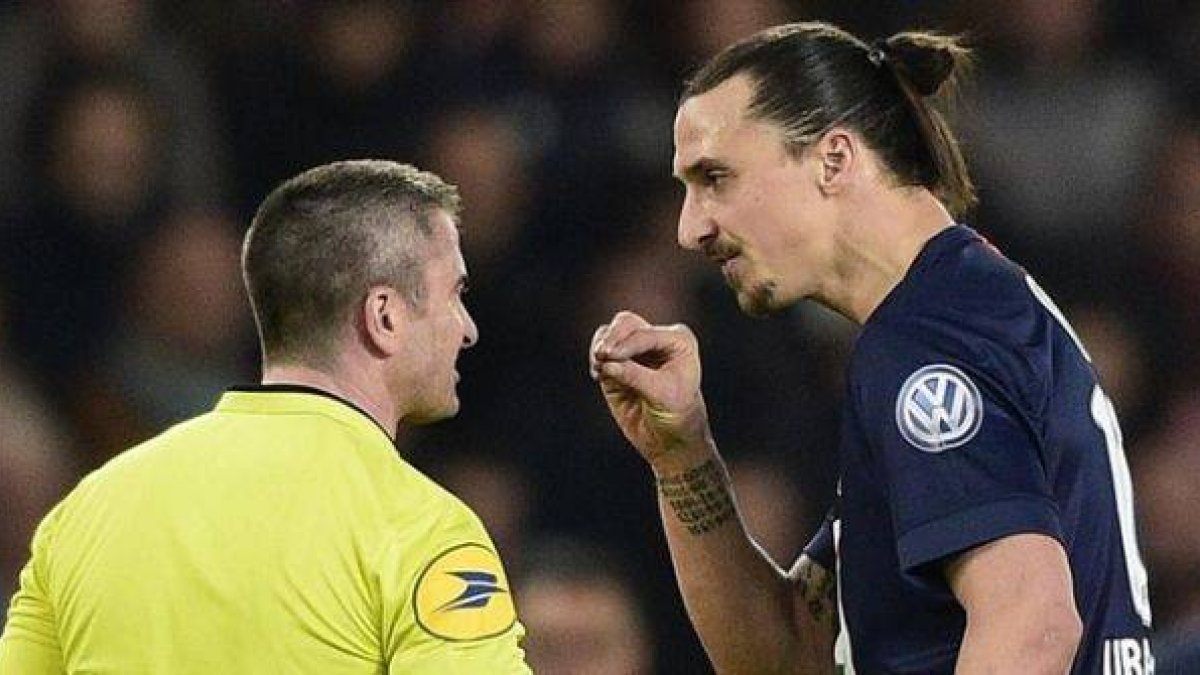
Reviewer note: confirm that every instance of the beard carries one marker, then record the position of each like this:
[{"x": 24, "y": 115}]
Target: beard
[{"x": 759, "y": 300}]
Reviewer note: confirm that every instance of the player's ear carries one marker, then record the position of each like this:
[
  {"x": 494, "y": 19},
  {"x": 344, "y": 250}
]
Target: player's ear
[
  {"x": 384, "y": 313},
  {"x": 837, "y": 152}
]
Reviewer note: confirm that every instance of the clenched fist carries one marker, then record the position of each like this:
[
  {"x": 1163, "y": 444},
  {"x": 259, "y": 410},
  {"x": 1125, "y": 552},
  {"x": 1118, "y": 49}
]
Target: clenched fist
[{"x": 650, "y": 377}]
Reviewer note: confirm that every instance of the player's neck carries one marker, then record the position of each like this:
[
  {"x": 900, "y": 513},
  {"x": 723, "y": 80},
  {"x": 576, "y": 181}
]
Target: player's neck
[
  {"x": 347, "y": 383},
  {"x": 884, "y": 240}
]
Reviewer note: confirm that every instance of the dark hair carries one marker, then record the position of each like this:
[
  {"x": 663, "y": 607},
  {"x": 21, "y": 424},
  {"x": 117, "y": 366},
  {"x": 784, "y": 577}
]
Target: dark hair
[
  {"x": 812, "y": 76},
  {"x": 322, "y": 238}
]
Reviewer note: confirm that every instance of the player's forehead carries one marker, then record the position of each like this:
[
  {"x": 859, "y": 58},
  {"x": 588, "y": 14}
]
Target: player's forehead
[{"x": 706, "y": 123}]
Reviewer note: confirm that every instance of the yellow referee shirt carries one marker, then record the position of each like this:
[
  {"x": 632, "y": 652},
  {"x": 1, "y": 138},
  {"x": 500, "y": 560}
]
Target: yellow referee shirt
[{"x": 279, "y": 533}]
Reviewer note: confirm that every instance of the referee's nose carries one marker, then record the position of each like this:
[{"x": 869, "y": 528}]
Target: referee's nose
[{"x": 470, "y": 330}]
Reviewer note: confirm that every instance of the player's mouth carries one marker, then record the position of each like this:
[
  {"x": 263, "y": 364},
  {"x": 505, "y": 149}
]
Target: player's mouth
[{"x": 725, "y": 255}]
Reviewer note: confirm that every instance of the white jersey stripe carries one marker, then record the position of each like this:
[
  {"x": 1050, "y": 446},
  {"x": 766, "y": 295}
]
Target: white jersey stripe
[{"x": 843, "y": 657}]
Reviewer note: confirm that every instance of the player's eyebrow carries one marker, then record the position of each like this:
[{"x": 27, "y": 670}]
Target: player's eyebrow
[
  {"x": 692, "y": 173},
  {"x": 464, "y": 282}
]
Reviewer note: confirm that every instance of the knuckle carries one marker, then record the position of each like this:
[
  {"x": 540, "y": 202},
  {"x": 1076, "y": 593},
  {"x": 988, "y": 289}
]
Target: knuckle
[
  {"x": 626, "y": 317},
  {"x": 683, "y": 330}
]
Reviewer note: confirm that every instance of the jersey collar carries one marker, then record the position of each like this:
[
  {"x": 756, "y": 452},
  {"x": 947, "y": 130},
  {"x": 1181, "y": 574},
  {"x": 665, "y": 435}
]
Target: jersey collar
[
  {"x": 296, "y": 397},
  {"x": 945, "y": 240}
]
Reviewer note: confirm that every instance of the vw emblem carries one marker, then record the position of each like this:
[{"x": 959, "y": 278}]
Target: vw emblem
[{"x": 939, "y": 408}]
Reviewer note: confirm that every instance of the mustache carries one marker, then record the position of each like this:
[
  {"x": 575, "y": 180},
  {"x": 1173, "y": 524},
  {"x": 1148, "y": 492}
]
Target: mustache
[{"x": 719, "y": 250}]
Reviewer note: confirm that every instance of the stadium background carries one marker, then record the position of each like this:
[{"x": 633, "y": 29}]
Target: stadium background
[{"x": 137, "y": 136}]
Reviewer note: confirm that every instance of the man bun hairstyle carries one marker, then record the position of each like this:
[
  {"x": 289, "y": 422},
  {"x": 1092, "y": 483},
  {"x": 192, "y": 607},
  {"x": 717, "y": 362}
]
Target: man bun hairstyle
[
  {"x": 812, "y": 76},
  {"x": 926, "y": 60},
  {"x": 324, "y": 237}
]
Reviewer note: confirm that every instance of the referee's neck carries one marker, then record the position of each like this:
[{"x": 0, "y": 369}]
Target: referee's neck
[{"x": 364, "y": 392}]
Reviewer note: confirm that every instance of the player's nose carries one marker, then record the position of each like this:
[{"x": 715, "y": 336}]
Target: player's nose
[{"x": 695, "y": 225}]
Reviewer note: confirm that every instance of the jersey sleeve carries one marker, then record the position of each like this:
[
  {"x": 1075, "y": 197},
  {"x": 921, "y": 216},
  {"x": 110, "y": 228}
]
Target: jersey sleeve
[
  {"x": 29, "y": 645},
  {"x": 953, "y": 431},
  {"x": 447, "y": 603},
  {"x": 820, "y": 547}
]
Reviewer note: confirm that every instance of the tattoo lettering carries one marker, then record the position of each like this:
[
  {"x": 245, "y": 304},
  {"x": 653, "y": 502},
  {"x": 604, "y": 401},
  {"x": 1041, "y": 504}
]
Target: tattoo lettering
[{"x": 699, "y": 497}]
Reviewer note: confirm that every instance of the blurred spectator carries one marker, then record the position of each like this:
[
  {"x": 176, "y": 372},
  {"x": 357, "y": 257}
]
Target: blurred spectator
[
  {"x": 473, "y": 47},
  {"x": 98, "y": 151},
  {"x": 35, "y": 466},
  {"x": 1061, "y": 133},
  {"x": 1165, "y": 476},
  {"x": 1118, "y": 348},
  {"x": 642, "y": 269},
  {"x": 583, "y": 614},
  {"x": 711, "y": 25},
  {"x": 497, "y": 490},
  {"x": 594, "y": 125},
  {"x": 1170, "y": 238},
  {"x": 481, "y": 151},
  {"x": 1166, "y": 33},
  {"x": 774, "y": 511},
  {"x": 344, "y": 86},
  {"x": 181, "y": 341},
  {"x": 49, "y": 40}
]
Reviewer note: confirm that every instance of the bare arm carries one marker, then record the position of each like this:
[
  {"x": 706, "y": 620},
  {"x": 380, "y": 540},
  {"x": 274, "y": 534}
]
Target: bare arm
[
  {"x": 1017, "y": 592},
  {"x": 750, "y": 615}
]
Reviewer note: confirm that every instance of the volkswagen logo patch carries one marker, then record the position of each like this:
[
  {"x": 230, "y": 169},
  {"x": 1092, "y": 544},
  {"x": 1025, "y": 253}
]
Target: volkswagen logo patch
[{"x": 938, "y": 408}]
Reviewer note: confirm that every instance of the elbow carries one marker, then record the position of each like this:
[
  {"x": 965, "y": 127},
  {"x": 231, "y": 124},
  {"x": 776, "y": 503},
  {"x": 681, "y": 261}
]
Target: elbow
[
  {"x": 1076, "y": 630},
  {"x": 1044, "y": 640},
  {"x": 1059, "y": 638}
]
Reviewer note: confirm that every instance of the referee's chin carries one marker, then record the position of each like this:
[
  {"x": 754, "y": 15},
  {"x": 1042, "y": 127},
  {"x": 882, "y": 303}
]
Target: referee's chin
[{"x": 435, "y": 413}]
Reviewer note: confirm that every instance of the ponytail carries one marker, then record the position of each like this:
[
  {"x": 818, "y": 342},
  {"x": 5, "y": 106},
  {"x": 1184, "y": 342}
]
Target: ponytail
[{"x": 927, "y": 65}]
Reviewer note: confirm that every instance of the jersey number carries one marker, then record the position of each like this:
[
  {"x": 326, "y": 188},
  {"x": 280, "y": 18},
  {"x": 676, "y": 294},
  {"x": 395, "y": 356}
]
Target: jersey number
[{"x": 1105, "y": 417}]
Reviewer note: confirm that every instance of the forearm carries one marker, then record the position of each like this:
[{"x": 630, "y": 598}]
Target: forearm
[{"x": 748, "y": 613}]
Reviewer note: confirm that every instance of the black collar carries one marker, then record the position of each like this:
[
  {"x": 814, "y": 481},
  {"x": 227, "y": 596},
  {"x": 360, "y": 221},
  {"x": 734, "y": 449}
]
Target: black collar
[{"x": 305, "y": 389}]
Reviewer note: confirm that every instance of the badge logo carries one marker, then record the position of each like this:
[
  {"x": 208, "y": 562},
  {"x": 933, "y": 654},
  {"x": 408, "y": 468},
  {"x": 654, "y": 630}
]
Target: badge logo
[
  {"x": 462, "y": 595},
  {"x": 938, "y": 408}
]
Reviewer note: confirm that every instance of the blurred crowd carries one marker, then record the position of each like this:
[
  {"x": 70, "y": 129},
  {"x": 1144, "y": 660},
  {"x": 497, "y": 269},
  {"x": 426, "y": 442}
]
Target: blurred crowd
[{"x": 137, "y": 136}]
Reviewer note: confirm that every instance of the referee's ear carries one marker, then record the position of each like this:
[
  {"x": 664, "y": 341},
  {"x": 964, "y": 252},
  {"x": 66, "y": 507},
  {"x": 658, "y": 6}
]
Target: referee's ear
[{"x": 384, "y": 311}]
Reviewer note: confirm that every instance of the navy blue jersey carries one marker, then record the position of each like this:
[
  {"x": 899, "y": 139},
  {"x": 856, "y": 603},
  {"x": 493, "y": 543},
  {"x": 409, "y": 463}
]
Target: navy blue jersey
[{"x": 974, "y": 413}]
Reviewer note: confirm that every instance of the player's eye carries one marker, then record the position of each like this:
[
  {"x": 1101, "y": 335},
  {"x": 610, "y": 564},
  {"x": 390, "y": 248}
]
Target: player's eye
[{"x": 715, "y": 177}]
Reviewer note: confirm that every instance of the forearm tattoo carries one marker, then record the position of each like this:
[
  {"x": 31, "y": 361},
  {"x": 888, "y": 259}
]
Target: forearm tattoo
[
  {"x": 818, "y": 588},
  {"x": 699, "y": 497}
]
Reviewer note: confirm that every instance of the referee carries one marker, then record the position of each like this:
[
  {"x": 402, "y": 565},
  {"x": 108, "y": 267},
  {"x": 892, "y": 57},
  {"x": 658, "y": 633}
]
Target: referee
[{"x": 281, "y": 532}]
